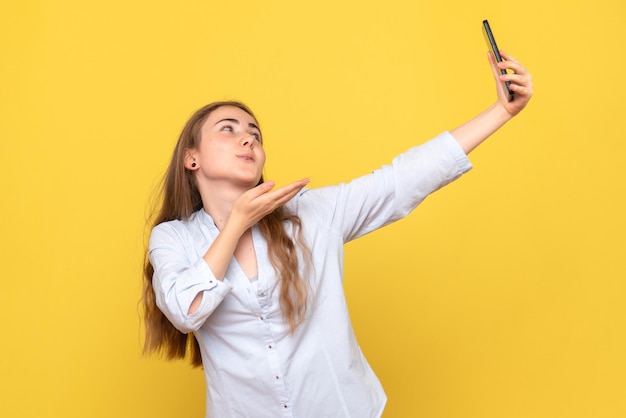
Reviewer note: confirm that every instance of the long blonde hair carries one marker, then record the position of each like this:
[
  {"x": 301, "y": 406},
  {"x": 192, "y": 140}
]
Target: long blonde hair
[{"x": 180, "y": 199}]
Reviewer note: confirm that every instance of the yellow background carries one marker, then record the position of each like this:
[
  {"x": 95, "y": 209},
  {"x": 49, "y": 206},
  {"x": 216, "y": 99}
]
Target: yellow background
[{"x": 502, "y": 296}]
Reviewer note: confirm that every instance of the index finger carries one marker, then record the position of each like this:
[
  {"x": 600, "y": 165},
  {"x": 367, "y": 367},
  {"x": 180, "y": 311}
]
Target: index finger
[
  {"x": 286, "y": 192},
  {"x": 512, "y": 63}
]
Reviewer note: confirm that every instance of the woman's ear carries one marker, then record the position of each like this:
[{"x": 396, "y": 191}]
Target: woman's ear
[{"x": 191, "y": 162}]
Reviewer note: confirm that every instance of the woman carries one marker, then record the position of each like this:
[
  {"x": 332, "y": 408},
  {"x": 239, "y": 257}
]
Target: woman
[{"x": 247, "y": 279}]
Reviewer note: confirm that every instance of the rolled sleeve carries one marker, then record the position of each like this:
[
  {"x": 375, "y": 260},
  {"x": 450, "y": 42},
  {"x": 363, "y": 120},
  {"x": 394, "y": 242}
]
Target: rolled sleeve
[
  {"x": 453, "y": 147},
  {"x": 178, "y": 279}
]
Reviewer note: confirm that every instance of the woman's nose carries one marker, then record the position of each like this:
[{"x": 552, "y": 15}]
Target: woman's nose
[{"x": 247, "y": 140}]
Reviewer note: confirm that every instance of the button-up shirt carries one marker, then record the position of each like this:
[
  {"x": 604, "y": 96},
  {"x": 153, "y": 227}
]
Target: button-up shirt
[{"x": 254, "y": 366}]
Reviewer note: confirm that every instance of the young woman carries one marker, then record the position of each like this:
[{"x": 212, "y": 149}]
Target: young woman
[{"x": 246, "y": 279}]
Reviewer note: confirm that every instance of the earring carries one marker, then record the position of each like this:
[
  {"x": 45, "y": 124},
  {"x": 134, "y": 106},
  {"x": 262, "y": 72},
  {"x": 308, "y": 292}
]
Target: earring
[{"x": 193, "y": 165}]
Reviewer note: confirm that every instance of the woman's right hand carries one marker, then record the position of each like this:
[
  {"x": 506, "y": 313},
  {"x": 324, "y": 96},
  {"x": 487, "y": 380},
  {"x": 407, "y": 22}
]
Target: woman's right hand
[
  {"x": 261, "y": 200},
  {"x": 247, "y": 210}
]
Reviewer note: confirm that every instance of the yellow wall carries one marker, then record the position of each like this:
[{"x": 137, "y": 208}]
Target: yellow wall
[{"x": 503, "y": 296}]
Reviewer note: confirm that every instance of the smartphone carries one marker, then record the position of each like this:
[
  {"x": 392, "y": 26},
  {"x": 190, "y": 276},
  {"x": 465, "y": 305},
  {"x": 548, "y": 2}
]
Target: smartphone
[{"x": 496, "y": 52}]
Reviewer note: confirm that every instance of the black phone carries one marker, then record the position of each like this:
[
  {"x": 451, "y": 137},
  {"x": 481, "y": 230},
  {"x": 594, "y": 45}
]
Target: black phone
[{"x": 496, "y": 52}]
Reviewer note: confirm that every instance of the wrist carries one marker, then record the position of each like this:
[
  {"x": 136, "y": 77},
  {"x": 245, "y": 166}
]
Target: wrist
[
  {"x": 233, "y": 230},
  {"x": 500, "y": 114}
]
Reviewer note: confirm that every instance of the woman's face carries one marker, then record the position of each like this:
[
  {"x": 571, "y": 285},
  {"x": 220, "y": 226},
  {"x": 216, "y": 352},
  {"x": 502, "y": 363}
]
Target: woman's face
[{"x": 230, "y": 149}]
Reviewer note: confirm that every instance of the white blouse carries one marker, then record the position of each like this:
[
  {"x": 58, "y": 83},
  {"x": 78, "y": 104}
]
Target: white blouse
[{"x": 253, "y": 365}]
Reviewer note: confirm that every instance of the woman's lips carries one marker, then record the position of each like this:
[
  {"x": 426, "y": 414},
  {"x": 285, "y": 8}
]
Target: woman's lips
[{"x": 246, "y": 157}]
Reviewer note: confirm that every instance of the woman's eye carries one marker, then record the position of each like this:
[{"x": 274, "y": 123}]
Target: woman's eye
[
  {"x": 256, "y": 136},
  {"x": 227, "y": 128}
]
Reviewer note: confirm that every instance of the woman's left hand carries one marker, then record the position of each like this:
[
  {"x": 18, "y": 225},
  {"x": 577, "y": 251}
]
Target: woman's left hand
[{"x": 520, "y": 83}]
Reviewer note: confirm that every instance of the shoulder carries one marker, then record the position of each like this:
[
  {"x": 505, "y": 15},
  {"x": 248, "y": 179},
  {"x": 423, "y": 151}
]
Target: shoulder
[
  {"x": 313, "y": 199},
  {"x": 174, "y": 230}
]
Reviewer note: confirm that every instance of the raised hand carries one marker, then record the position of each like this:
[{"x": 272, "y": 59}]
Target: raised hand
[
  {"x": 262, "y": 200},
  {"x": 473, "y": 132},
  {"x": 248, "y": 209},
  {"x": 520, "y": 79}
]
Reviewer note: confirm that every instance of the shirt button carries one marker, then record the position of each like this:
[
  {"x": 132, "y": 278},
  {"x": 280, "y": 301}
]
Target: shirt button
[
  {"x": 262, "y": 318},
  {"x": 285, "y": 406},
  {"x": 277, "y": 377},
  {"x": 270, "y": 346}
]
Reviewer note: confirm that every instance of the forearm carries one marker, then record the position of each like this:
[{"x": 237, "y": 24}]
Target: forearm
[
  {"x": 218, "y": 258},
  {"x": 221, "y": 252},
  {"x": 475, "y": 131}
]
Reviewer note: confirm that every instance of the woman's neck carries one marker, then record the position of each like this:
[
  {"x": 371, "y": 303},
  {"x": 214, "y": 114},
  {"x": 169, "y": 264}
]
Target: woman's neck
[{"x": 218, "y": 203}]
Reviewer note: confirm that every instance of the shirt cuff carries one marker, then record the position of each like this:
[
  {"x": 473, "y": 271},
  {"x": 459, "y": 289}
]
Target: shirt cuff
[
  {"x": 453, "y": 147},
  {"x": 221, "y": 287}
]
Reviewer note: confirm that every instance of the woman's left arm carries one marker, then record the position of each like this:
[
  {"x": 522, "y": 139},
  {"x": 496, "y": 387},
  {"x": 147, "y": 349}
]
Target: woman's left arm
[{"x": 474, "y": 132}]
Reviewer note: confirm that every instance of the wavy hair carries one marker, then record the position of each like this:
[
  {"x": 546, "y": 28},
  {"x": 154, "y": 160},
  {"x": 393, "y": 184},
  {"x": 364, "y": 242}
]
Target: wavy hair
[{"x": 179, "y": 199}]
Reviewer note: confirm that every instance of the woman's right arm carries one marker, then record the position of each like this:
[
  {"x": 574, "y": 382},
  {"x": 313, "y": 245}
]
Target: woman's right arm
[
  {"x": 180, "y": 274},
  {"x": 247, "y": 211}
]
